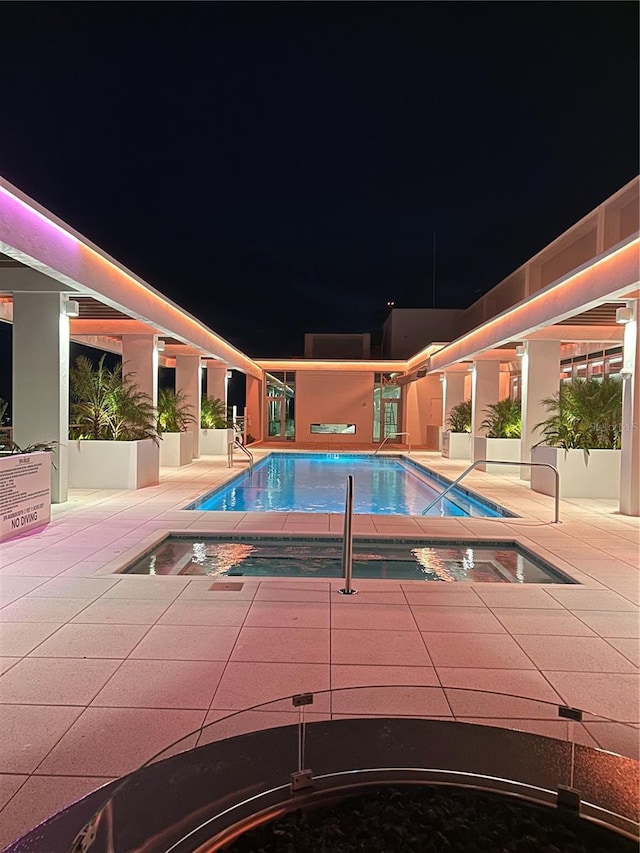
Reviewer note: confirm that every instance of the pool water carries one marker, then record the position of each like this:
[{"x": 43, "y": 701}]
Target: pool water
[
  {"x": 315, "y": 482},
  {"x": 497, "y": 562}
]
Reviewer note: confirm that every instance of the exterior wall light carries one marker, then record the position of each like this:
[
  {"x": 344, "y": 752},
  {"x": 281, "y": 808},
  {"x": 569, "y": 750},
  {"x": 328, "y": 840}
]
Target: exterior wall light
[
  {"x": 160, "y": 345},
  {"x": 520, "y": 351},
  {"x": 71, "y": 308},
  {"x": 624, "y": 314}
]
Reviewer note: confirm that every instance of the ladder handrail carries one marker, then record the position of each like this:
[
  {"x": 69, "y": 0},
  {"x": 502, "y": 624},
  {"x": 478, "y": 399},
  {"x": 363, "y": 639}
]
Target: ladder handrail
[
  {"x": 499, "y": 462},
  {"x": 347, "y": 542},
  {"x": 394, "y": 435},
  {"x": 239, "y": 444}
]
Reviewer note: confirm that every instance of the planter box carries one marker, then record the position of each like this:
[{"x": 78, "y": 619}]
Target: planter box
[
  {"x": 113, "y": 464},
  {"x": 456, "y": 445},
  {"x": 176, "y": 449},
  {"x": 214, "y": 442},
  {"x": 25, "y": 492},
  {"x": 498, "y": 449},
  {"x": 594, "y": 476}
]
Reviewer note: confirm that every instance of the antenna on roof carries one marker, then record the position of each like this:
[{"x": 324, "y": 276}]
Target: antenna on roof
[{"x": 434, "y": 269}]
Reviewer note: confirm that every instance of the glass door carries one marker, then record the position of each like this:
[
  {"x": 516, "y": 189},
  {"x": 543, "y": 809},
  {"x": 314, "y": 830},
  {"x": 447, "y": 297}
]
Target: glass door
[
  {"x": 276, "y": 408},
  {"x": 389, "y": 425}
]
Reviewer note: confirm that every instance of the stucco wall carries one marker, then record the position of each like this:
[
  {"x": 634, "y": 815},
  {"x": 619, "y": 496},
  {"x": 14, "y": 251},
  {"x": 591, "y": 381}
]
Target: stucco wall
[
  {"x": 254, "y": 403},
  {"x": 423, "y": 410},
  {"x": 334, "y": 397}
]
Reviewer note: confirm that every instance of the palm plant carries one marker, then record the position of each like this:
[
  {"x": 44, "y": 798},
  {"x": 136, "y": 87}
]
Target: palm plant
[
  {"x": 585, "y": 414},
  {"x": 213, "y": 413},
  {"x": 106, "y": 405},
  {"x": 459, "y": 419},
  {"x": 174, "y": 412},
  {"x": 504, "y": 419}
]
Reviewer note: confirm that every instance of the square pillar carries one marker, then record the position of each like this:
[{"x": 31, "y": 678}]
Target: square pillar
[
  {"x": 216, "y": 380},
  {"x": 40, "y": 405},
  {"x": 254, "y": 407},
  {"x": 452, "y": 392},
  {"x": 140, "y": 359},
  {"x": 188, "y": 383},
  {"x": 630, "y": 461},
  {"x": 540, "y": 379},
  {"x": 485, "y": 389}
]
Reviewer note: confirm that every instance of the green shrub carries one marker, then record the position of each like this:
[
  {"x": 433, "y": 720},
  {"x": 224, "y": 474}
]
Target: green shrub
[
  {"x": 213, "y": 413},
  {"x": 504, "y": 419},
  {"x": 459, "y": 419},
  {"x": 174, "y": 412},
  {"x": 585, "y": 414}
]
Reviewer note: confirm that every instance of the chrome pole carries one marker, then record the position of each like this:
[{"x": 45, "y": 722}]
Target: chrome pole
[{"x": 347, "y": 543}]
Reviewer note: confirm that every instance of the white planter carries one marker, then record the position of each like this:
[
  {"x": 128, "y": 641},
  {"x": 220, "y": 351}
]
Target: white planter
[
  {"x": 498, "y": 450},
  {"x": 113, "y": 464},
  {"x": 176, "y": 449},
  {"x": 594, "y": 476},
  {"x": 214, "y": 442},
  {"x": 456, "y": 445}
]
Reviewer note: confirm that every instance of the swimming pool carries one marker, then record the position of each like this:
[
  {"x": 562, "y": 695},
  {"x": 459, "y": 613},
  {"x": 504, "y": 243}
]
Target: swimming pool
[
  {"x": 390, "y": 559},
  {"x": 315, "y": 482}
]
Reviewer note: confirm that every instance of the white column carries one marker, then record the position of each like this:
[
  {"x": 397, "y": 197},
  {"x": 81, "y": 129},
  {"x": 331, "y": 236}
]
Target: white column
[
  {"x": 540, "y": 379},
  {"x": 452, "y": 393},
  {"x": 188, "y": 383},
  {"x": 630, "y": 461},
  {"x": 485, "y": 389},
  {"x": 216, "y": 380},
  {"x": 140, "y": 359},
  {"x": 40, "y": 406}
]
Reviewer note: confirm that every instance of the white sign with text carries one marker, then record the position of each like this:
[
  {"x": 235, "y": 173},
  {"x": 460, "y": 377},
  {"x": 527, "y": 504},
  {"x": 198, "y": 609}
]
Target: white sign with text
[{"x": 25, "y": 492}]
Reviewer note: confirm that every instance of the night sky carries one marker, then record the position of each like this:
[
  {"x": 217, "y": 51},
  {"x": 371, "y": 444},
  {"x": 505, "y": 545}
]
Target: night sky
[{"x": 277, "y": 168}]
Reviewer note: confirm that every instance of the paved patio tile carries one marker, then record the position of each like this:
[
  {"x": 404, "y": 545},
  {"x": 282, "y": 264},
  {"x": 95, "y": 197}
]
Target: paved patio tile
[
  {"x": 110, "y": 742},
  {"x": 161, "y": 684},
  {"x": 39, "y": 798},
  {"x": 278, "y": 592},
  {"x": 13, "y": 588},
  {"x": 443, "y": 594},
  {"x": 364, "y": 646},
  {"x": 9, "y": 784},
  {"x": 613, "y": 624},
  {"x": 556, "y": 729},
  {"x": 352, "y": 613},
  {"x": 629, "y": 648},
  {"x": 587, "y": 599},
  {"x": 288, "y": 614},
  {"x": 31, "y": 609},
  {"x": 55, "y": 681},
  {"x": 391, "y": 701},
  {"x": 29, "y": 732},
  {"x": 245, "y": 684},
  {"x": 86, "y": 588},
  {"x": 186, "y": 642},
  {"x": 616, "y": 737},
  {"x": 362, "y": 675},
  {"x": 576, "y": 654},
  {"x": 201, "y": 588},
  {"x": 296, "y": 645},
  {"x": 7, "y": 662},
  {"x": 613, "y": 695},
  {"x": 121, "y": 611},
  {"x": 460, "y": 619},
  {"x": 552, "y": 622},
  {"x": 516, "y": 682},
  {"x": 517, "y": 596},
  {"x": 19, "y": 638},
  {"x": 137, "y": 586},
  {"x": 492, "y": 651},
  {"x": 219, "y": 725},
  {"x": 91, "y": 641}
]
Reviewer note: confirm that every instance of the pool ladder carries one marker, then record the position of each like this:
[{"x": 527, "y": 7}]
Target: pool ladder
[
  {"x": 230, "y": 448},
  {"x": 556, "y": 520},
  {"x": 393, "y": 435},
  {"x": 347, "y": 542}
]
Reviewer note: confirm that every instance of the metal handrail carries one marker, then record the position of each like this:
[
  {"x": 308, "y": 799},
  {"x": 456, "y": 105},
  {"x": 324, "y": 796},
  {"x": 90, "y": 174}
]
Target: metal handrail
[
  {"x": 239, "y": 444},
  {"x": 347, "y": 544},
  {"x": 499, "y": 462},
  {"x": 394, "y": 435}
]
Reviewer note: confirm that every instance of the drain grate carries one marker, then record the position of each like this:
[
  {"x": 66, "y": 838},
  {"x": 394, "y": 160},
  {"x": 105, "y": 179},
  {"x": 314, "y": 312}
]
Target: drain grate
[{"x": 223, "y": 586}]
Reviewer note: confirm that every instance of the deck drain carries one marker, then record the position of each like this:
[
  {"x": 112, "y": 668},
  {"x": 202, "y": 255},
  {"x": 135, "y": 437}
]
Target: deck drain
[{"x": 225, "y": 586}]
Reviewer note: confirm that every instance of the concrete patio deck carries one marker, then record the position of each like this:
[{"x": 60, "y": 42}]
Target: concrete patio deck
[{"x": 100, "y": 671}]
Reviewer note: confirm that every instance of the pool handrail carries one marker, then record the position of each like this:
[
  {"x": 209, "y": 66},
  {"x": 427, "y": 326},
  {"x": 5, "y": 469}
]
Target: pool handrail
[
  {"x": 393, "y": 435},
  {"x": 347, "y": 544},
  {"x": 501, "y": 462},
  {"x": 237, "y": 443}
]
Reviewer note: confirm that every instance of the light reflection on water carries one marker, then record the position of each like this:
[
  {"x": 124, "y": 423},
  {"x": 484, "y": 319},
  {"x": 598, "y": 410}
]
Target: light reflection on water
[{"x": 391, "y": 560}]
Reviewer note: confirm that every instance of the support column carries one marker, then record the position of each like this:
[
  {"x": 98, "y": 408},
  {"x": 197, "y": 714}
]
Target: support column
[
  {"x": 216, "y": 381},
  {"x": 452, "y": 392},
  {"x": 255, "y": 407},
  {"x": 188, "y": 383},
  {"x": 485, "y": 389},
  {"x": 40, "y": 406},
  {"x": 630, "y": 461},
  {"x": 140, "y": 359},
  {"x": 540, "y": 379}
]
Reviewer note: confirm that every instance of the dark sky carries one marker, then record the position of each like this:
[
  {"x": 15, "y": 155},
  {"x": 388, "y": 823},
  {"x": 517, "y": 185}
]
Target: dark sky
[{"x": 277, "y": 168}]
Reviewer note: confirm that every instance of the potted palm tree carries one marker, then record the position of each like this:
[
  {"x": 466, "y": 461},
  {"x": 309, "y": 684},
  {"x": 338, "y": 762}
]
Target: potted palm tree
[
  {"x": 214, "y": 435},
  {"x": 175, "y": 420},
  {"x": 501, "y": 442},
  {"x": 456, "y": 440},
  {"x": 581, "y": 438},
  {"x": 113, "y": 437}
]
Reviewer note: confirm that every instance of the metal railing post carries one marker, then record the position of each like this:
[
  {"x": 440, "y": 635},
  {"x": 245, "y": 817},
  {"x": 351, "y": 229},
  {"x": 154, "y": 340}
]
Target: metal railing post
[
  {"x": 393, "y": 435},
  {"x": 500, "y": 462},
  {"x": 347, "y": 544}
]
